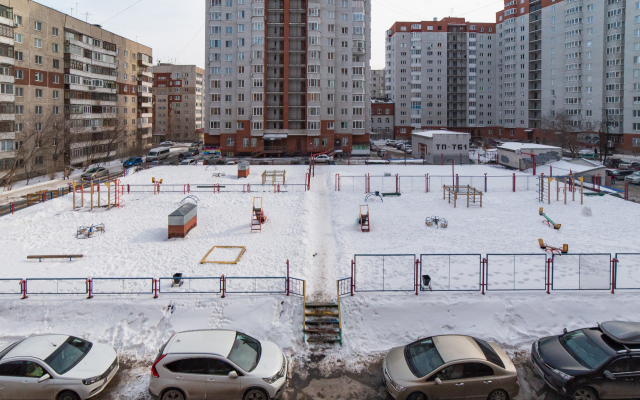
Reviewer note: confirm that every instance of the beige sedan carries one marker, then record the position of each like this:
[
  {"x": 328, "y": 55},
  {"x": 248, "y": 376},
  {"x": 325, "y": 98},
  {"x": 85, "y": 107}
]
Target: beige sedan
[{"x": 450, "y": 367}]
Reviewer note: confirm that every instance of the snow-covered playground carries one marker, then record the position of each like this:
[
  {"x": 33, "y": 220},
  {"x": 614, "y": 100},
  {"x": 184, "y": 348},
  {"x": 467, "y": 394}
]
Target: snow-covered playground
[{"x": 316, "y": 229}]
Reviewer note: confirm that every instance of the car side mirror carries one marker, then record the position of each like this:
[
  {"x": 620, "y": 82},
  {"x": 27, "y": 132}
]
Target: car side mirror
[
  {"x": 233, "y": 374},
  {"x": 438, "y": 381},
  {"x": 44, "y": 378},
  {"x": 609, "y": 375}
]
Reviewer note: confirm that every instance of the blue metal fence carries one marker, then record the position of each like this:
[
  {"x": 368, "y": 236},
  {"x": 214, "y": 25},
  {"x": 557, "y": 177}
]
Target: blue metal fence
[
  {"x": 10, "y": 286},
  {"x": 261, "y": 285},
  {"x": 627, "y": 271},
  {"x": 57, "y": 286},
  {"x": 190, "y": 285},
  {"x": 123, "y": 286},
  {"x": 516, "y": 272},
  {"x": 451, "y": 272},
  {"x": 384, "y": 273},
  {"x": 581, "y": 272}
]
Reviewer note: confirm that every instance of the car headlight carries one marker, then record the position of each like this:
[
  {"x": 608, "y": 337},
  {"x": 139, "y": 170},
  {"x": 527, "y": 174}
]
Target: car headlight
[
  {"x": 91, "y": 381},
  {"x": 561, "y": 374},
  {"x": 271, "y": 380},
  {"x": 395, "y": 385}
]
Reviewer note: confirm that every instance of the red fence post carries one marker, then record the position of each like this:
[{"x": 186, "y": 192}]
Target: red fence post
[
  {"x": 128, "y": 189},
  {"x": 457, "y": 180},
  {"x": 223, "y": 285},
  {"x": 514, "y": 181},
  {"x": 44, "y": 197},
  {"x": 626, "y": 191},
  {"x": 417, "y": 276},
  {"x": 549, "y": 262},
  {"x": 13, "y": 207},
  {"x": 485, "y": 182},
  {"x": 23, "y": 288},
  {"x": 155, "y": 284},
  {"x": 397, "y": 183},
  {"x": 483, "y": 284},
  {"x": 614, "y": 267},
  {"x": 353, "y": 285},
  {"x": 426, "y": 183},
  {"x": 89, "y": 288},
  {"x": 287, "y": 285}
]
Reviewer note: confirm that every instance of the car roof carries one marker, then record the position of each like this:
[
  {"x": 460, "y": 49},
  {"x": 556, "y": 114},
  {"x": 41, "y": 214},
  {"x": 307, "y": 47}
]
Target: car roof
[
  {"x": 458, "y": 347},
  {"x": 205, "y": 342},
  {"x": 622, "y": 332},
  {"x": 39, "y": 347}
]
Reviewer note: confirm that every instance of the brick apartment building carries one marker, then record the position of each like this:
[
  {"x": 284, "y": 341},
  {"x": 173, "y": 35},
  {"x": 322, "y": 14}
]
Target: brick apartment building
[
  {"x": 382, "y": 119},
  {"x": 178, "y": 99},
  {"x": 287, "y": 77},
  {"x": 73, "y": 93}
]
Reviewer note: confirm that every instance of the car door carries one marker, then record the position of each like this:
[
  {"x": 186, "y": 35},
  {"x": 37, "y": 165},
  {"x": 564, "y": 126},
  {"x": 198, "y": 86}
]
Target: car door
[
  {"x": 219, "y": 385},
  {"x": 479, "y": 380},
  {"x": 452, "y": 387},
  {"x": 622, "y": 385},
  {"x": 190, "y": 375},
  {"x": 31, "y": 388},
  {"x": 11, "y": 380}
]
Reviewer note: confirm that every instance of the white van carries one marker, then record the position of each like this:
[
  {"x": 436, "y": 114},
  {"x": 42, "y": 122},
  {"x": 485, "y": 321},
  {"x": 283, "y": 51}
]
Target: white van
[{"x": 159, "y": 153}]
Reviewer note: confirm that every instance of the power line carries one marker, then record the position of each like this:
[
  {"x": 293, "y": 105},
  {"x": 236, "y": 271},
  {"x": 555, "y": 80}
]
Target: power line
[
  {"x": 121, "y": 12},
  {"x": 187, "y": 45}
]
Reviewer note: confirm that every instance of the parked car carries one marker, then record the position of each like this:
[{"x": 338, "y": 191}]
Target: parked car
[
  {"x": 613, "y": 162},
  {"x": 212, "y": 159},
  {"x": 322, "y": 158},
  {"x": 619, "y": 173},
  {"x": 193, "y": 152},
  {"x": 635, "y": 179},
  {"x": 59, "y": 367},
  {"x": 630, "y": 165},
  {"x": 382, "y": 153},
  {"x": 94, "y": 174},
  {"x": 188, "y": 161},
  {"x": 230, "y": 163},
  {"x": 450, "y": 367},
  {"x": 132, "y": 162},
  {"x": 373, "y": 147},
  {"x": 159, "y": 153},
  {"x": 168, "y": 143},
  {"x": 391, "y": 143},
  {"x": 218, "y": 364},
  {"x": 592, "y": 363}
]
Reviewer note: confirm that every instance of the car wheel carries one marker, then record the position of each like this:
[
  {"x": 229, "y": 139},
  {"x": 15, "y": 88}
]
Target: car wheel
[
  {"x": 417, "y": 396},
  {"x": 68, "y": 395},
  {"x": 584, "y": 393},
  {"x": 173, "y": 394},
  {"x": 498, "y": 395},
  {"x": 255, "y": 394}
]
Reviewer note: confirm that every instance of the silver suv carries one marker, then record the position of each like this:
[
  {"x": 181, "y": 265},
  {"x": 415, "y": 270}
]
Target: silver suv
[{"x": 220, "y": 365}]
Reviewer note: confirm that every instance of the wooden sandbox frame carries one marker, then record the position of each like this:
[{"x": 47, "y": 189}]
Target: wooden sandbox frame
[
  {"x": 456, "y": 191},
  {"x": 274, "y": 175}
]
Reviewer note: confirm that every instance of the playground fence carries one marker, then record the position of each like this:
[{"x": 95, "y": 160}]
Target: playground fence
[
  {"x": 57, "y": 286},
  {"x": 516, "y": 272},
  {"x": 627, "y": 271},
  {"x": 451, "y": 272},
  {"x": 254, "y": 285},
  {"x": 214, "y": 188},
  {"x": 11, "y": 286},
  {"x": 123, "y": 285},
  {"x": 190, "y": 285},
  {"x": 384, "y": 273},
  {"x": 581, "y": 272}
]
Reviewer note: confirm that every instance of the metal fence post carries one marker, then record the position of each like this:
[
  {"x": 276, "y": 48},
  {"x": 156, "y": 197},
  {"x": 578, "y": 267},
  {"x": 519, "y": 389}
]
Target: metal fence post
[
  {"x": 287, "y": 285},
  {"x": 483, "y": 284},
  {"x": 89, "y": 284},
  {"x": 155, "y": 283},
  {"x": 353, "y": 285},
  {"x": 514, "y": 181},
  {"x": 417, "y": 276},
  {"x": 549, "y": 262},
  {"x": 485, "y": 182},
  {"x": 223, "y": 284},
  {"x": 614, "y": 269},
  {"x": 23, "y": 286}
]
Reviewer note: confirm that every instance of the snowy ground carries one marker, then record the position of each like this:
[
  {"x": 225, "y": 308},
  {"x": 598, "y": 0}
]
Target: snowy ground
[{"x": 318, "y": 233}]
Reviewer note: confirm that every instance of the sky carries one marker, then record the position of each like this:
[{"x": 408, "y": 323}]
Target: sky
[{"x": 175, "y": 29}]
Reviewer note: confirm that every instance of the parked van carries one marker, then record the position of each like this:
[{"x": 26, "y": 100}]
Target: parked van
[{"x": 159, "y": 153}]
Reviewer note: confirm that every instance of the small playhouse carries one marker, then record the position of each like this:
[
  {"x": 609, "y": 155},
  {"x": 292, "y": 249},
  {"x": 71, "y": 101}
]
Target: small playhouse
[{"x": 182, "y": 220}]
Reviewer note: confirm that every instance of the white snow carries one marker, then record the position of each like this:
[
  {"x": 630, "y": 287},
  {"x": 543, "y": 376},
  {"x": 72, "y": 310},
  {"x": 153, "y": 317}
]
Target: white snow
[{"x": 317, "y": 232}]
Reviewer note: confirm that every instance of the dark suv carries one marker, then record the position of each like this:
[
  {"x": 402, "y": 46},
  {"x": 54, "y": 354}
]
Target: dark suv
[{"x": 592, "y": 363}]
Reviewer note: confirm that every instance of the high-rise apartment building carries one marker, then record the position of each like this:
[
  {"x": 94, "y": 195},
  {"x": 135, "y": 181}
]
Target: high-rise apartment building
[
  {"x": 81, "y": 94},
  {"x": 287, "y": 76},
  {"x": 542, "y": 60},
  {"x": 178, "y": 99},
  {"x": 376, "y": 84},
  {"x": 441, "y": 74}
]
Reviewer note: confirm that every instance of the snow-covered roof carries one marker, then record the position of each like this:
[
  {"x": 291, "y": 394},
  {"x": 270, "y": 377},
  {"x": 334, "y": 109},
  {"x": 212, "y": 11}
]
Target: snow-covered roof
[
  {"x": 430, "y": 133},
  {"x": 39, "y": 347},
  {"x": 526, "y": 146},
  {"x": 203, "y": 342}
]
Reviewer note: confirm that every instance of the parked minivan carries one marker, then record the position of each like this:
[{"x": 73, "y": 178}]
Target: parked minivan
[{"x": 159, "y": 153}]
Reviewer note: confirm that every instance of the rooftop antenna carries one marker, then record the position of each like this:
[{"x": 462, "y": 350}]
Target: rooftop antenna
[
  {"x": 87, "y": 17},
  {"x": 72, "y": 11},
  {"x": 451, "y": 12},
  {"x": 77, "y": 10}
]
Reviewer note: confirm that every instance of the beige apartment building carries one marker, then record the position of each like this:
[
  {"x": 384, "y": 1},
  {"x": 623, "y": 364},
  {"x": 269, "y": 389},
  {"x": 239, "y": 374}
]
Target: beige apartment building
[
  {"x": 376, "y": 84},
  {"x": 81, "y": 94},
  {"x": 178, "y": 98}
]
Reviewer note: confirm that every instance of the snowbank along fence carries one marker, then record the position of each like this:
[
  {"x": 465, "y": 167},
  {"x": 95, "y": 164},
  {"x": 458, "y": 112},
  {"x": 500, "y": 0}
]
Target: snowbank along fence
[{"x": 494, "y": 272}]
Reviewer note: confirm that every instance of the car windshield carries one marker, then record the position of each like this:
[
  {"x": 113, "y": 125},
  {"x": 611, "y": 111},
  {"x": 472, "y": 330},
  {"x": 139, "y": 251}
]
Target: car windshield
[
  {"x": 422, "y": 357},
  {"x": 68, "y": 355},
  {"x": 583, "y": 349},
  {"x": 245, "y": 352},
  {"x": 92, "y": 170}
]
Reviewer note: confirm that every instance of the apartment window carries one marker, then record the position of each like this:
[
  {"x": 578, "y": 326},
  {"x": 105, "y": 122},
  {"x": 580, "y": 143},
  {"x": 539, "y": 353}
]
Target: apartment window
[
  {"x": 18, "y": 55},
  {"x": 55, "y": 48},
  {"x": 19, "y": 110},
  {"x": 38, "y": 43},
  {"x": 55, "y": 32},
  {"x": 19, "y": 92},
  {"x": 39, "y": 77},
  {"x": 38, "y": 60},
  {"x": 231, "y": 141},
  {"x": 19, "y": 74},
  {"x": 37, "y": 26},
  {"x": 56, "y": 111},
  {"x": 56, "y": 94},
  {"x": 39, "y": 110},
  {"x": 18, "y": 20},
  {"x": 56, "y": 64},
  {"x": 17, "y": 37}
]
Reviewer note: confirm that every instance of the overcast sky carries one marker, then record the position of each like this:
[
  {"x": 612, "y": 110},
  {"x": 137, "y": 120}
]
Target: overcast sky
[{"x": 175, "y": 29}]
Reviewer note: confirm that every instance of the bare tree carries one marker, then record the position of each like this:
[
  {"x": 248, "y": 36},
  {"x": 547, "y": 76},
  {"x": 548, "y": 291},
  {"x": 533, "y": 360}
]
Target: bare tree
[
  {"x": 566, "y": 130},
  {"x": 606, "y": 131},
  {"x": 97, "y": 143}
]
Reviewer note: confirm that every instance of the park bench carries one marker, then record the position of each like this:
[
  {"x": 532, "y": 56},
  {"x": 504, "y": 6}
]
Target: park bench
[{"x": 69, "y": 256}]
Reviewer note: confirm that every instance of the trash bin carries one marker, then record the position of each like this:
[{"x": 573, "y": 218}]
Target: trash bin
[
  {"x": 426, "y": 281},
  {"x": 243, "y": 170},
  {"x": 177, "y": 279}
]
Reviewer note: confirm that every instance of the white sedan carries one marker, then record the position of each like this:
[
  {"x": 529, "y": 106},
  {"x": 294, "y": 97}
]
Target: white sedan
[
  {"x": 59, "y": 367},
  {"x": 322, "y": 158}
]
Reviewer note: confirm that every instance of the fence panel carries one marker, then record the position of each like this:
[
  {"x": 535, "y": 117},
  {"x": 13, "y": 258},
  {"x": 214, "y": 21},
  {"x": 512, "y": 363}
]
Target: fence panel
[
  {"x": 122, "y": 286},
  {"x": 384, "y": 272},
  {"x": 10, "y": 286},
  {"x": 516, "y": 271},
  {"x": 451, "y": 272},
  {"x": 191, "y": 285},
  {"x": 581, "y": 272},
  {"x": 256, "y": 285},
  {"x": 628, "y": 271},
  {"x": 57, "y": 286},
  {"x": 412, "y": 184},
  {"x": 383, "y": 184}
]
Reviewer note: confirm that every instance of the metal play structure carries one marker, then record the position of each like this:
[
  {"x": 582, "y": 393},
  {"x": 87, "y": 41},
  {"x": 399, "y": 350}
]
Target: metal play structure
[
  {"x": 375, "y": 194},
  {"x": 363, "y": 219},
  {"x": 257, "y": 215},
  {"x": 275, "y": 176},
  {"x": 560, "y": 250},
  {"x": 456, "y": 191},
  {"x": 548, "y": 220},
  {"x": 86, "y": 232},
  {"x": 568, "y": 186},
  {"x": 93, "y": 190},
  {"x": 437, "y": 222}
]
